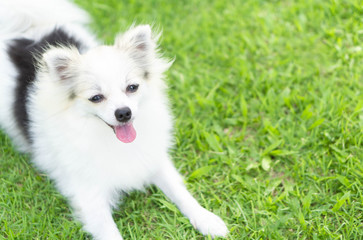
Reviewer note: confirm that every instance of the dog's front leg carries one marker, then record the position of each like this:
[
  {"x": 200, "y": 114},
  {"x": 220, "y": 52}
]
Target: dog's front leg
[
  {"x": 94, "y": 211},
  {"x": 171, "y": 183}
]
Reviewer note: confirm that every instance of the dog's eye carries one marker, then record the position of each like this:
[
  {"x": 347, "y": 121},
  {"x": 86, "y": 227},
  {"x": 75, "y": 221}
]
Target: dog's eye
[
  {"x": 132, "y": 88},
  {"x": 97, "y": 98}
]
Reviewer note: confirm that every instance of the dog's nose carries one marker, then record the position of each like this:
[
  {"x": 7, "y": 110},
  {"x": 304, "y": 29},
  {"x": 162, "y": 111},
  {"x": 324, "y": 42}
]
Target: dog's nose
[{"x": 123, "y": 114}]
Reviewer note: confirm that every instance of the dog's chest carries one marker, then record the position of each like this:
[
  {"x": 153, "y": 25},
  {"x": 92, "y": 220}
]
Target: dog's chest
[
  {"x": 129, "y": 166},
  {"x": 124, "y": 166}
]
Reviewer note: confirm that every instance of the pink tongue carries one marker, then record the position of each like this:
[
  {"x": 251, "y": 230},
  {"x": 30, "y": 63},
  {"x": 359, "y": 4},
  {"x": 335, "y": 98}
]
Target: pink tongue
[{"x": 125, "y": 133}]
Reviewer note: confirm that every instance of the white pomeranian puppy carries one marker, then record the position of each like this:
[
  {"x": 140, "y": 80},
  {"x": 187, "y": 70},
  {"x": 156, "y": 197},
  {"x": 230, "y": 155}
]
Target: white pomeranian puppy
[{"x": 95, "y": 118}]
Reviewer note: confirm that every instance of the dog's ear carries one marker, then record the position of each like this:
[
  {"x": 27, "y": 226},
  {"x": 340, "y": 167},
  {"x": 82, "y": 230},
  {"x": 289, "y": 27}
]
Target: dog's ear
[
  {"x": 61, "y": 62},
  {"x": 139, "y": 41}
]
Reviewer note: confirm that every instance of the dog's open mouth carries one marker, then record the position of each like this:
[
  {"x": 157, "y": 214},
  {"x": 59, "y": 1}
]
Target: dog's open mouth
[{"x": 125, "y": 133}]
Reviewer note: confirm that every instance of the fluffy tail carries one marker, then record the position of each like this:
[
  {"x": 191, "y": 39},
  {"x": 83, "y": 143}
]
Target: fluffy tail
[{"x": 20, "y": 17}]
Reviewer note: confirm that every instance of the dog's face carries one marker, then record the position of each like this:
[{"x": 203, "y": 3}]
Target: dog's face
[
  {"x": 110, "y": 82},
  {"x": 111, "y": 87}
]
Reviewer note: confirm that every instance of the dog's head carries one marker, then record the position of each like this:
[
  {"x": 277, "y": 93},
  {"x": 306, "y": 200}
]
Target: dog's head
[{"x": 110, "y": 82}]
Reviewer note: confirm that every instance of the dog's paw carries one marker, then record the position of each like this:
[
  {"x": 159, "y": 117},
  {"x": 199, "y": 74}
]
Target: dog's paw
[{"x": 208, "y": 223}]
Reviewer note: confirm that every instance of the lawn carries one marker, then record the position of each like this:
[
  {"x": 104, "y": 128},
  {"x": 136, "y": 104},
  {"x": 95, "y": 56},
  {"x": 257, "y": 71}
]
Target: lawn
[{"x": 268, "y": 105}]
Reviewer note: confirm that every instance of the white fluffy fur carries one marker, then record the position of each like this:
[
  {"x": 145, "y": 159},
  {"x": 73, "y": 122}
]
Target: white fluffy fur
[{"x": 71, "y": 141}]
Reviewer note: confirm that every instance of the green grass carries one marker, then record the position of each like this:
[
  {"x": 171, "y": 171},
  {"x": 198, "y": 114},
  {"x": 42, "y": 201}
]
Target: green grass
[{"x": 268, "y": 104}]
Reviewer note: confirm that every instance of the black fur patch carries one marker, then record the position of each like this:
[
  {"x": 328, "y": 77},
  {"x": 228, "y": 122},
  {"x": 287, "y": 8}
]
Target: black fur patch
[{"x": 23, "y": 53}]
